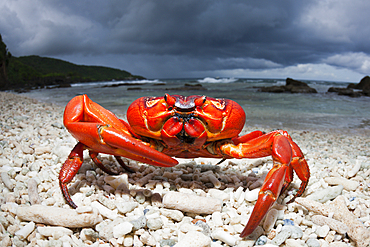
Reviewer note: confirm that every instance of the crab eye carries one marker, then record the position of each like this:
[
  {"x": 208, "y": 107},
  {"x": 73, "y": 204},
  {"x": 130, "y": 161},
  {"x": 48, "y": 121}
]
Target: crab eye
[
  {"x": 200, "y": 101},
  {"x": 169, "y": 100}
]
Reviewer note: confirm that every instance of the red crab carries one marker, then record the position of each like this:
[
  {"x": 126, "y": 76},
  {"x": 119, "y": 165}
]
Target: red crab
[{"x": 160, "y": 128}]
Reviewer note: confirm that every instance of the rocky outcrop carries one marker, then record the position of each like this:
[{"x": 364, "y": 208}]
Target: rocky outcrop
[
  {"x": 354, "y": 90},
  {"x": 363, "y": 85},
  {"x": 292, "y": 86},
  {"x": 344, "y": 91}
]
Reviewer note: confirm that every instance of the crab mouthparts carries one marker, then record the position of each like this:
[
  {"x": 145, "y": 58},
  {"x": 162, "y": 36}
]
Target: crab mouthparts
[
  {"x": 184, "y": 105},
  {"x": 184, "y": 117}
]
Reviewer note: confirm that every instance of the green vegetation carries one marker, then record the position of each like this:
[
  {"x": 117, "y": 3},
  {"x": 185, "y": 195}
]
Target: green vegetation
[
  {"x": 37, "y": 72},
  {"x": 5, "y": 57}
]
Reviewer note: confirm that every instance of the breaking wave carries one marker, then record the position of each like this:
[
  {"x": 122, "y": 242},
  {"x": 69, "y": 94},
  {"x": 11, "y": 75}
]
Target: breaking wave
[
  {"x": 114, "y": 82},
  {"x": 217, "y": 80}
]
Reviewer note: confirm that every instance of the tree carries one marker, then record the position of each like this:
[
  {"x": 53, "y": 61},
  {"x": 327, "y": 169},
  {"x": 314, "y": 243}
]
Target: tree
[{"x": 5, "y": 56}]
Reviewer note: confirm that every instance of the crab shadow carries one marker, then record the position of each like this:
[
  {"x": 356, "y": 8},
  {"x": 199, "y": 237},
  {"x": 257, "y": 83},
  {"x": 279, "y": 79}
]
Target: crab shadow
[{"x": 144, "y": 180}]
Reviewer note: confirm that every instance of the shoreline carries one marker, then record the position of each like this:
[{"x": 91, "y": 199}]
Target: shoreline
[
  {"x": 254, "y": 121},
  {"x": 34, "y": 145}
]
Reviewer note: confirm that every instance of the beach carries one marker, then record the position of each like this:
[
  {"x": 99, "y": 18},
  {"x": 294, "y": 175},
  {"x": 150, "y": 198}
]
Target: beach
[{"x": 134, "y": 209}]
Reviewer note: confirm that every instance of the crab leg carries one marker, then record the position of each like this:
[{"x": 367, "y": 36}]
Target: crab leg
[
  {"x": 286, "y": 156},
  {"x": 69, "y": 170},
  {"x": 300, "y": 166},
  {"x": 247, "y": 137}
]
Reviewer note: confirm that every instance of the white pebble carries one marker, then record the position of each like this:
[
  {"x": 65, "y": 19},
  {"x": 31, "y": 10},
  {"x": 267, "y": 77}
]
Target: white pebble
[
  {"x": 42, "y": 150},
  {"x": 10, "y": 207},
  {"x": 220, "y": 194},
  {"x": 265, "y": 245},
  {"x": 191, "y": 203},
  {"x": 188, "y": 227},
  {"x": 349, "y": 185},
  {"x": 33, "y": 193},
  {"x": 57, "y": 216},
  {"x": 43, "y": 132},
  {"x": 270, "y": 219},
  {"x": 326, "y": 194},
  {"x": 217, "y": 219},
  {"x": 286, "y": 232},
  {"x": 7, "y": 181},
  {"x": 225, "y": 237},
  {"x": 322, "y": 231},
  {"x": 4, "y": 163},
  {"x": 148, "y": 239},
  {"x": 124, "y": 206},
  {"x": 355, "y": 169},
  {"x": 106, "y": 212},
  {"x": 54, "y": 231},
  {"x": 293, "y": 243},
  {"x": 172, "y": 214},
  {"x": 25, "y": 230},
  {"x": 338, "y": 244},
  {"x": 313, "y": 242},
  {"x": 251, "y": 195},
  {"x": 117, "y": 180},
  {"x": 28, "y": 150},
  {"x": 154, "y": 223},
  {"x": 128, "y": 241},
  {"x": 336, "y": 225},
  {"x": 122, "y": 229},
  {"x": 106, "y": 202},
  {"x": 84, "y": 209}
]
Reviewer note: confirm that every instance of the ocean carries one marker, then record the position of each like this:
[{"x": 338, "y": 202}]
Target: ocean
[{"x": 321, "y": 111}]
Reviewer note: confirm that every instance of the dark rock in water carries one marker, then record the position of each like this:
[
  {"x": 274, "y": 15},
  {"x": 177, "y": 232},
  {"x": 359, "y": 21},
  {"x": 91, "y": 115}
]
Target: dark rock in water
[
  {"x": 193, "y": 85},
  {"x": 363, "y": 85},
  {"x": 294, "y": 83},
  {"x": 273, "y": 89},
  {"x": 122, "y": 84},
  {"x": 344, "y": 91},
  {"x": 295, "y": 86},
  {"x": 338, "y": 89},
  {"x": 113, "y": 85},
  {"x": 292, "y": 86},
  {"x": 302, "y": 90},
  {"x": 22, "y": 90},
  {"x": 64, "y": 85},
  {"x": 134, "y": 88},
  {"x": 189, "y": 87}
]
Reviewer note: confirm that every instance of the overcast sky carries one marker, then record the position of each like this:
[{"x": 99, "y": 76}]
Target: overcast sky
[{"x": 323, "y": 39}]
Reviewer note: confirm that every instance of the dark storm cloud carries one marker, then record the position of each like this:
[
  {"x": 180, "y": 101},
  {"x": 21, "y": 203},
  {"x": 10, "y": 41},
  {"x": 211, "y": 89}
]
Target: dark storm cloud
[
  {"x": 209, "y": 29},
  {"x": 169, "y": 38}
]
